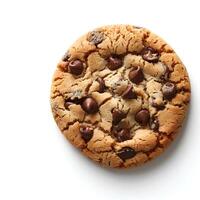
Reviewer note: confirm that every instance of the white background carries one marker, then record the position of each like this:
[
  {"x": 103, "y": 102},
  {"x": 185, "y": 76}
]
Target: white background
[{"x": 36, "y": 162}]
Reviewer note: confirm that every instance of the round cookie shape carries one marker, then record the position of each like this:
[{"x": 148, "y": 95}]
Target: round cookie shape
[{"x": 120, "y": 94}]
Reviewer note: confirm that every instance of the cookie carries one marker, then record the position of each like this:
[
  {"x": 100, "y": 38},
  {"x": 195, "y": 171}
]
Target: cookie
[{"x": 120, "y": 95}]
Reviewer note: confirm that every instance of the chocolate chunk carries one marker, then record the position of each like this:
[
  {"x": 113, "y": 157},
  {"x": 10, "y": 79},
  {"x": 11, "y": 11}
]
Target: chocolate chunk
[
  {"x": 122, "y": 134},
  {"x": 65, "y": 57},
  {"x": 114, "y": 62},
  {"x": 86, "y": 133},
  {"x": 136, "y": 75},
  {"x": 76, "y": 67},
  {"x": 129, "y": 93},
  {"x": 67, "y": 104},
  {"x": 169, "y": 90},
  {"x": 126, "y": 153},
  {"x": 117, "y": 115},
  {"x": 142, "y": 117},
  {"x": 90, "y": 106},
  {"x": 151, "y": 55},
  {"x": 101, "y": 84},
  {"x": 154, "y": 124},
  {"x": 95, "y": 37}
]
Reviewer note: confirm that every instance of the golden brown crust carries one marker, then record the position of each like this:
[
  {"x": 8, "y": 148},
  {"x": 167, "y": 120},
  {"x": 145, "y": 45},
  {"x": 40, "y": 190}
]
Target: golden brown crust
[{"x": 93, "y": 50}]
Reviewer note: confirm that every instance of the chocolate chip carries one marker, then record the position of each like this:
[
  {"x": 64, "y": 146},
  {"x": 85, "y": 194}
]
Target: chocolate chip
[
  {"x": 70, "y": 101},
  {"x": 122, "y": 134},
  {"x": 77, "y": 100},
  {"x": 65, "y": 57},
  {"x": 128, "y": 93},
  {"x": 169, "y": 90},
  {"x": 149, "y": 54},
  {"x": 126, "y": 153},
  {"x": 86, "y": 133},
  {"x": 154, "y": 124},
  {"x": 165, "y": 76},
  {"x": 90, "y": 106},
  {"x": 101, "y": 84},
  {"x": 95, "y": 37},
  {"x": 114, "y": 62},
  {"x": 121, "y": 125},
  {"x": 136, "y": 75},
  {"x": 158, "y": 106},
  {"x": 156, "y": 101},
  {"x": 76, "y": 67},
  {"x": 67, "y": 104},
  {"x": 142, "y": 117},
  {"x": 117, "y": 115},
  {"x": 153, "y": 101}
]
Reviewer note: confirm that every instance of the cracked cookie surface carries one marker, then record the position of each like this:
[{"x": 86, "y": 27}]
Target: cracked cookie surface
[{"x": 120, "y": 95}]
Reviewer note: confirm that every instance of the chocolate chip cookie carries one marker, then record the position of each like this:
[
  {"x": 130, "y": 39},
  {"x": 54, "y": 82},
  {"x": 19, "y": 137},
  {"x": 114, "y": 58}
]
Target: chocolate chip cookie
[{"x": 120, "y": 95}]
